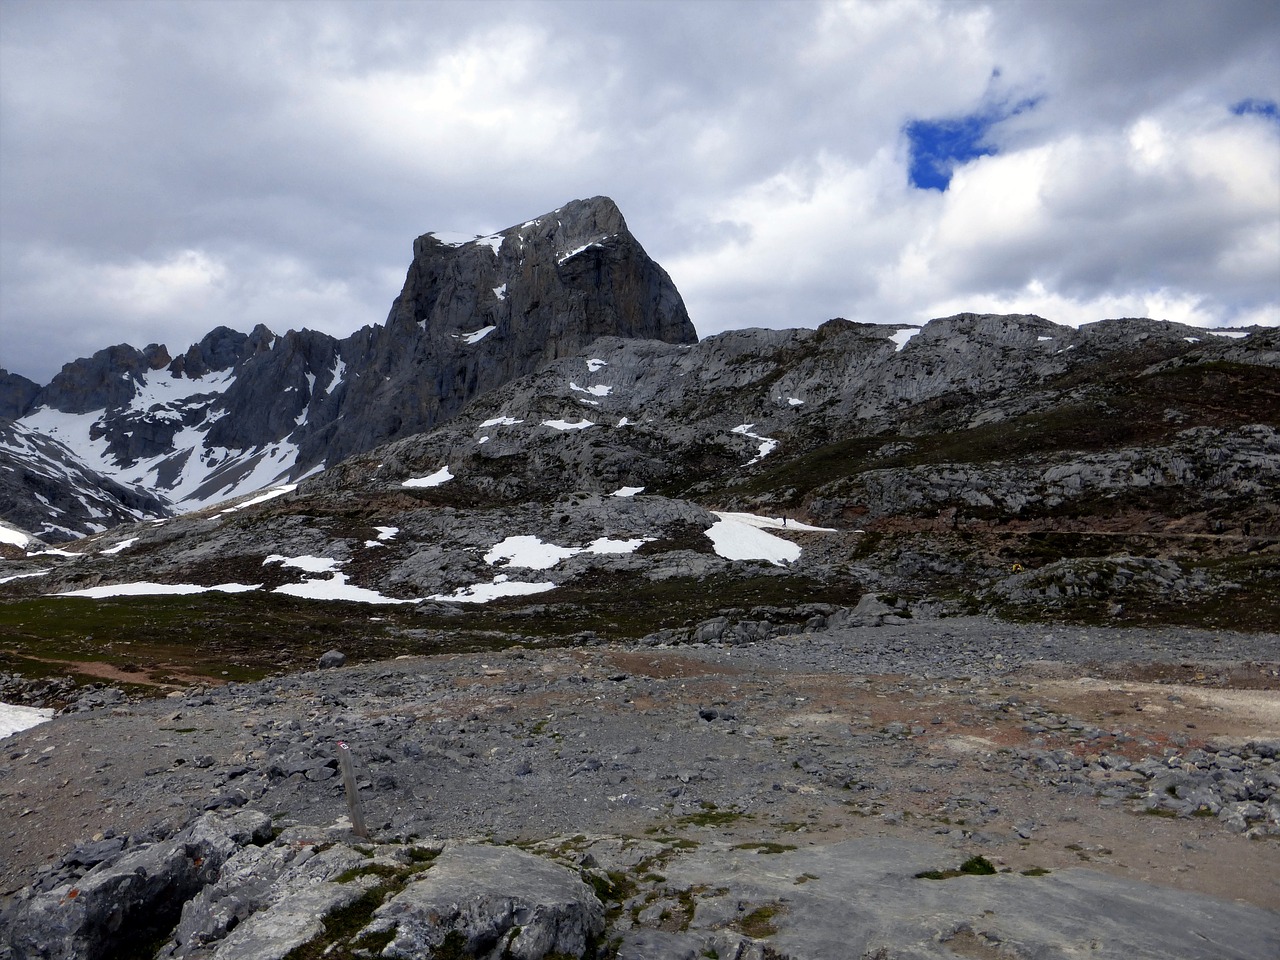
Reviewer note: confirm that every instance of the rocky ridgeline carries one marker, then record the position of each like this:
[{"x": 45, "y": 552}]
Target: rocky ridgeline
[
  {"x": 695, "y": 419},
  {"x": 473, "y": 314},
  {"x": 510, "y": 319}
]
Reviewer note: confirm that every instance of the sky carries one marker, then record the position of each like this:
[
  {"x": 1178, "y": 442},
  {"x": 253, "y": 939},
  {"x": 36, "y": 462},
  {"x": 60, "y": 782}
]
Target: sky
[{"x": 168, "y": 166}]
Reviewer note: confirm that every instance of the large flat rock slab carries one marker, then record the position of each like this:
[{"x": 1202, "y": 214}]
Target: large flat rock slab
[
  {"x": 494, "y": 902},
  {"x": 862, "y": 898}
]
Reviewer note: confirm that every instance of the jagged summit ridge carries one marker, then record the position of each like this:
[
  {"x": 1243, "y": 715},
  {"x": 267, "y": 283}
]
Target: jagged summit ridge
[
  {"x": 475, "y": 314},
  {"x": 236, "y": 412}
]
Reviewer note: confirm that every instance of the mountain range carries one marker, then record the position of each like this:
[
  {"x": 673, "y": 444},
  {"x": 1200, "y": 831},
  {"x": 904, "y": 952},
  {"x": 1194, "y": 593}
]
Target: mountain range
[
  {"x": 537, "y": 417},
  {"x": 129, "y": 434}
]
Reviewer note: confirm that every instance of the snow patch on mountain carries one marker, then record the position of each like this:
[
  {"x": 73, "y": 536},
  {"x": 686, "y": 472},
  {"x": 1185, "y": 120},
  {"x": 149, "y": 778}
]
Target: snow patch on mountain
[
  {"x": 900, "y": 337},
  {"x": 10, "y": 535},
  {"x": 501, "y": 586},
  {"x": 336, "y": 588},
  {"x": 120, "y": 547},
  {"x": 15, "y": 718},
  {"x": 737, "y": 539},
  {"x": 147, "y": 589},
  {"x": 434, "y": 480},
  {"x": 767, "y": 444},
  {"x": 568, "y": 425},
  {"x": 475, "y": 336},
  {"x": 23, "y": 576},
  {"x": 310, "y": 564},
  {"x": 532, "y": 553}
]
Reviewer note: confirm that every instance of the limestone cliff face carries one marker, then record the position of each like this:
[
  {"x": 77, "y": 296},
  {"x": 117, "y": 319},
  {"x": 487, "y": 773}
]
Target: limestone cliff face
[
  {"x": 16, "y": 394},
  {"x": 476, "y": 314},
  {"x": 103, "y": 381},
  {"x": 238, "y": 411}
]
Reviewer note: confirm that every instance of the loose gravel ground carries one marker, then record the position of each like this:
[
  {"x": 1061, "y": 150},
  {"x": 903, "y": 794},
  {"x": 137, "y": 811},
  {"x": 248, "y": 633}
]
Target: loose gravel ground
[{"x": 1146, "y": 754}]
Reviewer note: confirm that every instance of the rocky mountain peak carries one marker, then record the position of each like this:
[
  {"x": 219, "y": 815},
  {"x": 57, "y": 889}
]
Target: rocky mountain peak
[
  {"x": 237, "y": 411},
  {"x": 478, "y": 311},
  {"x": 104, "y": 381},
  {"x": 220, "y": 349},
  {"x": 16, "y": 394}
]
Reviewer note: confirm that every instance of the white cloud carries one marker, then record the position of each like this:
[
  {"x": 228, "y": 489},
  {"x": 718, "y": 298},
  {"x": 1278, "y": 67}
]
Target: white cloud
[
  {"x": 501, "y": 99},
  {"x": 174, "y": 299},
  {"x": 1175, "y": 215},
  {"x": 168, "y": 168}
]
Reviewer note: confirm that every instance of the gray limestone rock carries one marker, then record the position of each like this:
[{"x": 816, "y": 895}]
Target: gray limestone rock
[
  {"x": 501, "y": 901},
  {"x": 472, "y": 316},
  {"x": 865, "y": 900},
  {"x": 267, "y": 900},
  {"x": 16, "y": 394},
  {"x": 139, "y": 894}
]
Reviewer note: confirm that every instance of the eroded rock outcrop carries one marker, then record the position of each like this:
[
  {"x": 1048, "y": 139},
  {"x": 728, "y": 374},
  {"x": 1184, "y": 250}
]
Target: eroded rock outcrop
[{"x": 129, "y": 897}]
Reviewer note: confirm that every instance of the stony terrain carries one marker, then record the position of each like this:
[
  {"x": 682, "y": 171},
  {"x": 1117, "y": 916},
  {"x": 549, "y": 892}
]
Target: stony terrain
[
  {"x": 877, "y": 641},
  {"x": 740, "y": 777}
]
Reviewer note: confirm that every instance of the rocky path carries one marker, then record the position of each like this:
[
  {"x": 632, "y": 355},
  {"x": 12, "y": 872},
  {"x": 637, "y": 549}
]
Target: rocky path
[{"x": 1144, "y": 755}]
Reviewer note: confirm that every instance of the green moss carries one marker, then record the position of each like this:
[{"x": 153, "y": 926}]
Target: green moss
[
  {"x": 453, "y": 947},
  {"x": 340, "y": 928},
  {"x": 710, "y": 816},
  {"x": 977, "y": 866},
  {"x": 1035, "y": 872},
  {"x": 759, "y": 924}
]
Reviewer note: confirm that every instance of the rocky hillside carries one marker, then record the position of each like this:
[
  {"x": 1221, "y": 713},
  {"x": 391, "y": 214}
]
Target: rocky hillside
[
  {"x": 694, "y": 646},
  {"x": 1125, "y": 471},
  {"x": 237, "y": 412}
]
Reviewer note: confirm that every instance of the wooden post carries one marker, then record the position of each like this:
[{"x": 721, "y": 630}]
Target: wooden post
[{"x": 353, "y": 795}]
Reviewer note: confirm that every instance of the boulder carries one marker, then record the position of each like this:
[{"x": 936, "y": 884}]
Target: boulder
[
  {"x": 138, "y": 895},
  {"x": 332, "y": 658},
  {"x": 499, "y": 901}
]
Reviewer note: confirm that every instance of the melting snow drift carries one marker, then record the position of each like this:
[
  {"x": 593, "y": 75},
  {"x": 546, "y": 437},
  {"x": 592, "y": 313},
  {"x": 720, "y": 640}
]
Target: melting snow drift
[
  {"x": 14, "y": 718},
  {"x": 440, "y": 476}
]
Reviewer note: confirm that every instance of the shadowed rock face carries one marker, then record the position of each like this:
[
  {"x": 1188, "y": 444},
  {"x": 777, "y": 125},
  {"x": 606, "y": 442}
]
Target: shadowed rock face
[
  {"x": 474, "y": 315},
  {"x": 16, "y": 394},
  {"x": 103, "y": 381},
  {"x": 237, "y": 411}
]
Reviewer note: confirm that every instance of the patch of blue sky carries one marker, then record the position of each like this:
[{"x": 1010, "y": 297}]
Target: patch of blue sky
[
  {"x": 1257, "y": 107},
  {"x": 938, "y": 147}
]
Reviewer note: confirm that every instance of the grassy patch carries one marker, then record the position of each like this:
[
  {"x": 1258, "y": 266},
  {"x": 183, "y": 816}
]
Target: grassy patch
[
  {"x": 709, "y": 816},
  {"x": 759, "y": 923},
  {"x": 973, "y": 867},
  {"x": 1116, "y": 409},
  {"x": 341, "y": 939},
  {"x": 338, "y": 941}
]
